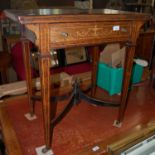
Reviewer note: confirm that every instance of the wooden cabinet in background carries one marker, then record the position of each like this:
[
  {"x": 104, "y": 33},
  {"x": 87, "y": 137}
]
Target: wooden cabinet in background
[{"x": 145, "y": 43}]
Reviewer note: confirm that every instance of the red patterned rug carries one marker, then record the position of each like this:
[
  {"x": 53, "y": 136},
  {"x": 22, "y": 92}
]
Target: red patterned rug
[{"x": 84, "y": 125}]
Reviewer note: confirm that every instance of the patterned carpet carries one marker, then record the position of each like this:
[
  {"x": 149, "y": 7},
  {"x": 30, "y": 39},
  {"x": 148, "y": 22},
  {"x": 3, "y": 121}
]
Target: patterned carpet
[{"x": 84, "y": 125}]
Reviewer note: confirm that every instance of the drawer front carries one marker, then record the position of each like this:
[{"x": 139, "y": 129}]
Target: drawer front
[{"x": 87, "y": 33}]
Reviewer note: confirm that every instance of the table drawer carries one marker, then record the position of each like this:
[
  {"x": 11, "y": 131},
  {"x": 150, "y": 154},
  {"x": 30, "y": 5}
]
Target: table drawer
[{"x": 73, "y": 33}]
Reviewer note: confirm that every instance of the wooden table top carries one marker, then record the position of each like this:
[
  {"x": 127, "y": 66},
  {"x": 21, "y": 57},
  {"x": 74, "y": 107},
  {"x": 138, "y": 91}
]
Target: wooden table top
[{"x": 65, "y": 15}]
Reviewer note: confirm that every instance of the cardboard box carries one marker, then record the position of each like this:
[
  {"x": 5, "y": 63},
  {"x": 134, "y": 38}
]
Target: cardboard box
[
  {"x": 113, "y": 55},
  {"x": 20, "y": 87}
]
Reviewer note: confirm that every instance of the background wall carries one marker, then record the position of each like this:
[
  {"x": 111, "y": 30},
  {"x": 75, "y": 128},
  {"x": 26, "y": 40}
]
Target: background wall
[
  {"x": 100, "y": 3},
  {"x": 4, "y": 4},
  {"x": 56, "y": 2},
  {"x": 97, "y": 3}
]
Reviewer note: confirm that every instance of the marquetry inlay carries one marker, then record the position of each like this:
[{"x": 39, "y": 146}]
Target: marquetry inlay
[{"x": 73, "y": 32}]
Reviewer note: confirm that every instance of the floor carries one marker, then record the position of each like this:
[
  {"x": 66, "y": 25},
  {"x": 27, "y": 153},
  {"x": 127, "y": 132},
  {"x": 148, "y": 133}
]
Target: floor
[{"x": 85, "y": 125}]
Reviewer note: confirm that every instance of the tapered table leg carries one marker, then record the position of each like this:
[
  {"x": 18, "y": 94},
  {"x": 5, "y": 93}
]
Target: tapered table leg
[
  {"x": 95, "y": 59},
  {"x": 28, "y": 71},
  {"x": 126, "y": 83},
  {"x": 45, "y": 92}
]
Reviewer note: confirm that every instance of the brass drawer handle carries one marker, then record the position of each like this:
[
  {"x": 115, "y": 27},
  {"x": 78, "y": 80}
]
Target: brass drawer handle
[
  {"x": 64, "y": 34},
  {"x": 124, "y": 29}
]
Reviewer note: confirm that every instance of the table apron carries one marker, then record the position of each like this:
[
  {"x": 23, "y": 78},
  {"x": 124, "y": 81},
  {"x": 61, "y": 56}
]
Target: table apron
[{"x": 72, "y": 34}]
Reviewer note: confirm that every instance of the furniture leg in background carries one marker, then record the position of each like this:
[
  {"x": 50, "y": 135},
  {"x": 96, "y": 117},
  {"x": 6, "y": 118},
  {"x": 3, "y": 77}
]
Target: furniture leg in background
[
  {"x": 153, "y": 74},
  {"x": 5, "y": 61},
  {"x": 30, "y": 89},
  {"x": 95, "y": 59}
]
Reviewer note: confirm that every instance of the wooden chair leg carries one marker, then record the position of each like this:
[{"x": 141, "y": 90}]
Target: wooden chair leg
[
  {"x": 4, "y": 76},
  {"x": 2, "y": 147},
  {"x": 153, "y": 83},
  {"x": 5, "y": 61}
]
